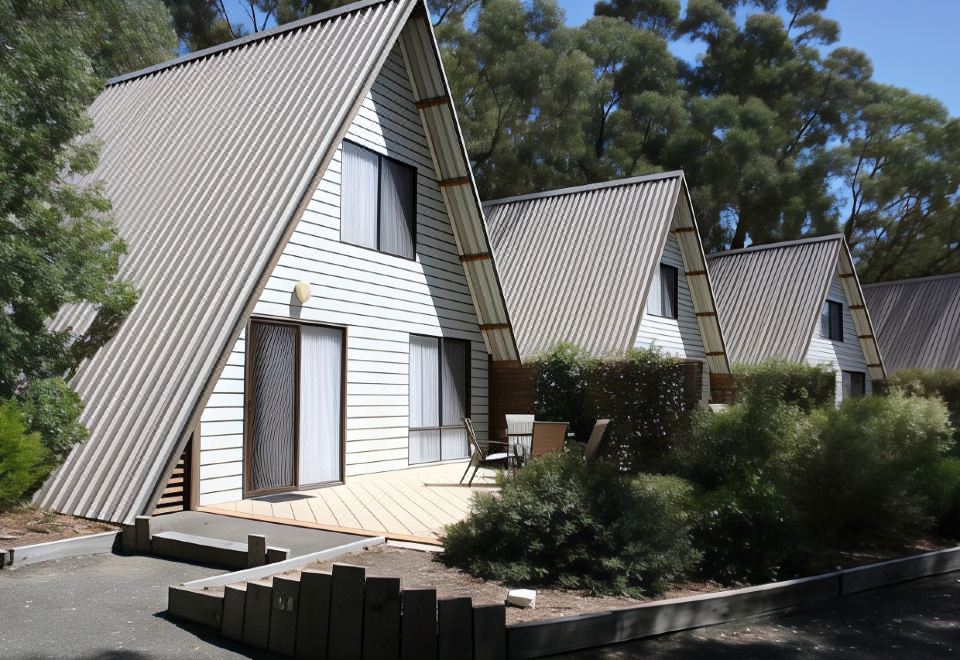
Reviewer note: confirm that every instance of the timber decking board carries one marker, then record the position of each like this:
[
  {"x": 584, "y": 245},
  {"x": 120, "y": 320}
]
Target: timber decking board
[{"x": 412, "y": 504}]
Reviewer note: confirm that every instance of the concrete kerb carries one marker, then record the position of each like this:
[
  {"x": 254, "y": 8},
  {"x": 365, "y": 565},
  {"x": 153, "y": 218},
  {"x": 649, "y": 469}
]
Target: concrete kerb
[
  {"x": 77, "y": 546},
  {"x": 885, "y": 573},
  {"x": 267, "y": 570}
]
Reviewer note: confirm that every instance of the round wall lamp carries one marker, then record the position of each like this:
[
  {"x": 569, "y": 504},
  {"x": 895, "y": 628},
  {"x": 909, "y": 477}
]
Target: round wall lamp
[{"x": 302, "y": 292}]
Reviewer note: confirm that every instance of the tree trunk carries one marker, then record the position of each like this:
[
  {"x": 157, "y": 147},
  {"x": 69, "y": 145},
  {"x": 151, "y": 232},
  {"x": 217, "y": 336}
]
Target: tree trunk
[{"x": 739, "y": 234}]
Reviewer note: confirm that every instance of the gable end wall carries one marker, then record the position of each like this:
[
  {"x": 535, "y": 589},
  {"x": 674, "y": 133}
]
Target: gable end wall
[
  {"x": 379, "y": 299},
  {"x": 840, "y": 356},
  {"x": 679, "y": 337}
]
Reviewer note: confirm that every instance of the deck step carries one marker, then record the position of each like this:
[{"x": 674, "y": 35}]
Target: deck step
[{"x": 212, "y": 551}]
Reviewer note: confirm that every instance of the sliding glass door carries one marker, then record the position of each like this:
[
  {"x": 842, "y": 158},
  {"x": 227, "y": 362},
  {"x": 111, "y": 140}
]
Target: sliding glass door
[
  {"x": 439, "y": 399},
  {"x": 295, "y": 404}
]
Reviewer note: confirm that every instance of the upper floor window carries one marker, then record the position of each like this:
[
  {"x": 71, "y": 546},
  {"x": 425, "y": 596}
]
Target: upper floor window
[
  {"x": 831, "y": 320},
  {"x": 377, "y": 202},
  {"x": 662, "y": 300},
  {"x": 854, "y": 384}
]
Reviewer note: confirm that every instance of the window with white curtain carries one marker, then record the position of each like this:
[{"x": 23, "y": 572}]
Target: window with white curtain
[
  {"x": 377, "y": 202},
  {"x": 662, "y": 299},
  {"x": 439, "y": 399}
]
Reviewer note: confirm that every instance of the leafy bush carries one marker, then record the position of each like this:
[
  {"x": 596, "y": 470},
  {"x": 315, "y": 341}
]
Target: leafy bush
[
  {"x": 944, "y": 383},
  {"x": 944, "y": 489},
  {"x": 747, "y": 532},
  {"x": 559, "y": 387},
  {"x": 52, "y": 409},
  {"x": 866, "y": 482},
  {"x": 643, "y": 394},
  {"x": 743, "y": 441},
  {"x": 23, "y": 460},
  {"x": 575, "y": 524},
  {"x": 742, "y": 459},
  {"x": 803, "y": 385}
]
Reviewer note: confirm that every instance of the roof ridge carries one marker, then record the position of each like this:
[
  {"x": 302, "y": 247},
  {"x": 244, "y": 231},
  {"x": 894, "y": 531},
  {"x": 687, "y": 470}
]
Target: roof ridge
[
  {"x": 925, "y": 278},
  {"x": 247, "y": 39},
  {"x": 779, "y": 244},
  {"x": 572, "y": 190}
]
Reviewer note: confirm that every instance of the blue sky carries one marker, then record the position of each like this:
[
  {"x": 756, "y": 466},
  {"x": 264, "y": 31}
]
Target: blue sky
[{"x": 913, "y": 44}]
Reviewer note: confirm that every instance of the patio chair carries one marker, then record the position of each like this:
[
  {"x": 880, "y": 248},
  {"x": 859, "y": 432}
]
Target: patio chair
[
  {"x": 548, "y": 438},
  {"x": 592, "y": 450},
  {"x": 519, "y": 430},
  {"x": 480, "y": 458}
]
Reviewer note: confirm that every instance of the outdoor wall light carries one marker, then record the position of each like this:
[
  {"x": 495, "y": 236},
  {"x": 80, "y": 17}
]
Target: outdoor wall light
[{"x": 302, "y": 292}]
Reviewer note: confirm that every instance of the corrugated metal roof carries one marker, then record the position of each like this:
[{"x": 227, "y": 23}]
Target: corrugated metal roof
[
  {"x": 917, "y": 321},
  {"x": 577, "y": 263},
  {"x": 770, "y": 297},
  {"x": 209, "y": 161}
]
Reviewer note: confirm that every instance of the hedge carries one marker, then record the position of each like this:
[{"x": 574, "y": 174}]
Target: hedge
[{"x": 643, "y": 393}]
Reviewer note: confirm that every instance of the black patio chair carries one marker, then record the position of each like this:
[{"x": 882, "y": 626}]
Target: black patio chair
[{"x": 480, "y": 458}]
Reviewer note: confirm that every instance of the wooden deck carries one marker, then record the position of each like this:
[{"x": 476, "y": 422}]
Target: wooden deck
[{"x": 411, "y": 505}]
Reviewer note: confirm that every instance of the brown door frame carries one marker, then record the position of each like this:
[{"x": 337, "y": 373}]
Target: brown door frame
[{"x": 248, "y": 491}]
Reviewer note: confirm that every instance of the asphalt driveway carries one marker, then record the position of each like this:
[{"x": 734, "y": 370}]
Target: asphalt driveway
[{"x": 101, "y": 606}]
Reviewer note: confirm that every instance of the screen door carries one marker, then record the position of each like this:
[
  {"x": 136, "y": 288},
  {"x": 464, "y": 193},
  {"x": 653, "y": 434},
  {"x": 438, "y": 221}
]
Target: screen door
[{"x": 273, "y": 398}]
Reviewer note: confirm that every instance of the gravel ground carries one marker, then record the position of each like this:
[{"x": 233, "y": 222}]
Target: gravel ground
[
  {"x": 27, "y": 525},
  {"x": 419, "y": 569},
  {"x": 919, "y": 619}
]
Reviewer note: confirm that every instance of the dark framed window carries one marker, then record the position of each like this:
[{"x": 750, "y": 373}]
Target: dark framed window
[
  {"x": 378, "y": 201},
  {"x": 439, "y": 399},
  {"x": 831, "y": 320},
  {"x": 854, "y": 384},
  {"x": 662, "y": 300}
]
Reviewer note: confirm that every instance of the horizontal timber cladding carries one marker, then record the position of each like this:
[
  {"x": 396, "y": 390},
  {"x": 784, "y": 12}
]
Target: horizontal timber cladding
[
  {"x": 846, "y": 355},
  {"x": 380, "y": 300},
  {"x": 679, "y": 337}
]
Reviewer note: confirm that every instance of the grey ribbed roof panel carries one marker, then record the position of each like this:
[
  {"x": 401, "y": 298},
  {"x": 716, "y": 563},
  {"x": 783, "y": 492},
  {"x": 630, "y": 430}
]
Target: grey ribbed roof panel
[
  {"x": 206, "y": 161},
  {"x": 770, "y": 296},
  {"x": 917, "y": 321},
  {"x": 576, "y": 263}
]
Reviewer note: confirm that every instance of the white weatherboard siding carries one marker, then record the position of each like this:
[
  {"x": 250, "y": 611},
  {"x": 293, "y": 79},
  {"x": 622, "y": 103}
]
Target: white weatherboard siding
[
  {"x": 840, "y": 356},
  {"x": 380, "y": 299},
  {"x": 679, "y": 337}
]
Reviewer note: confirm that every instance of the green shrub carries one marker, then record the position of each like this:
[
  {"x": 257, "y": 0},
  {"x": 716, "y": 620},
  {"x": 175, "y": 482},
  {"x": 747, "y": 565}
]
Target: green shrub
[
  {"x": 52, "y": 409},
  {"x": 566, "y": 522},
  {"x": 23, "y": 460},
  {"x": 559, "y": 387},
  {"x": 643, "y": 393},
  {"x": 944, "y": 489},
  {"x": 803, "y": 385},
  {"x": 760, "y": 437},
  {"x": 944, "y": 383},
  {"x": 866, "y": 483},
  {"x": 742, "y": 458},
  {"x": 747, "y": 531}
]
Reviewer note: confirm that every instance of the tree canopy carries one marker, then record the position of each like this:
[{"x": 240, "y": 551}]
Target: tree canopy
[{"x": 58, "y": 244}]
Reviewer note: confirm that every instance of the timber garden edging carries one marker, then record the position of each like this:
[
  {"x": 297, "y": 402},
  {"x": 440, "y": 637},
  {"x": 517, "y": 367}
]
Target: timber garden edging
[{"x": 374, "y": 618}]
